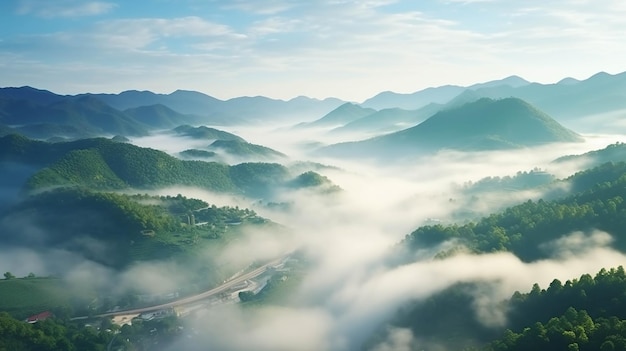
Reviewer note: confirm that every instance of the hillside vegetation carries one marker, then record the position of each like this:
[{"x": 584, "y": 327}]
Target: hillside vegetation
[{"x": 485, "y": 124}]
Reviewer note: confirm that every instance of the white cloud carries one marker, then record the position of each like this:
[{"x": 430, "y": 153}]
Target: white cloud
[
  {"x": 348, "y": 49},
  {"x": 64, "y": 8}
]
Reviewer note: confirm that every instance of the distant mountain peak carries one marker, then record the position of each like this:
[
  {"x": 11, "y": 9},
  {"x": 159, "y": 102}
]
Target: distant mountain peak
[
  {"x": 568, "y": 81},
  {"x": 485, "y": 124}
]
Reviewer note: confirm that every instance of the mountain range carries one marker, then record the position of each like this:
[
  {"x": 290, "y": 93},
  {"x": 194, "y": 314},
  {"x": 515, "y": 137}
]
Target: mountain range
[
  {"x": 567, "y": 100},
  {"x": 485, "y": 124},
  {"x": 43, "y": 114}
]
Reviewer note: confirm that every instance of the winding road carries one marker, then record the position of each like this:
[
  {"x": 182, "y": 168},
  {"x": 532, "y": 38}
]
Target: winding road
[{"x": 195, "y": 298}]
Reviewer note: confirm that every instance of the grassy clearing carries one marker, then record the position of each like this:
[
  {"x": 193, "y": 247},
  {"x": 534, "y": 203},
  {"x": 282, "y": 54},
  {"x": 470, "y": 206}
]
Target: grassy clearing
[{"x": 23, "y": 297}]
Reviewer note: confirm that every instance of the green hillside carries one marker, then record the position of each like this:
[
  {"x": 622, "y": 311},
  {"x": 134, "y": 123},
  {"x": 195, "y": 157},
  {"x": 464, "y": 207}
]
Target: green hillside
[
  {"x": 612, "y": 153},
  {"x": 242, "y": 148},
  {"x": 128, "y": 227},
  {"x": 596, "y": 202},
  {"x": 106, "y": 165},
  {"x": 481, "y": 125},
  {"x": 197, "y": 154},
  {"x": 24, "y": 297},
  {"x": 312, "y": 179},
  {"x": 83, "y": 116},
  {"x": 205, "y": 133}
]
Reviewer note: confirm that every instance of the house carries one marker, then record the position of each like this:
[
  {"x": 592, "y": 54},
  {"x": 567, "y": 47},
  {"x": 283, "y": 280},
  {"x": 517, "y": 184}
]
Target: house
[{"x": 39, "y": 317}]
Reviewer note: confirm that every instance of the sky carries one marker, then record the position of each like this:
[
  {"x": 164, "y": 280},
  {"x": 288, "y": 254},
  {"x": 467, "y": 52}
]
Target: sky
[{"x": 317, "y": 48}]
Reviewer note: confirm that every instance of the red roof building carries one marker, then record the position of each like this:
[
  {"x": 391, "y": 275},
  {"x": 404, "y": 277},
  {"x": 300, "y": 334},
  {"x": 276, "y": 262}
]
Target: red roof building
[{"x": 39, "y": 317}]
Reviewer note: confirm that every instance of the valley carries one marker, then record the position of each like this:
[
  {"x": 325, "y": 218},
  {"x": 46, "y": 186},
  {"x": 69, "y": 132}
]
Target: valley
[{"x": 181, "y": 220}]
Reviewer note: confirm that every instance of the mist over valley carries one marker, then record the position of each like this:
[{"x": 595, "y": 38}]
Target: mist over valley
[{"x": 321, "y": 226}]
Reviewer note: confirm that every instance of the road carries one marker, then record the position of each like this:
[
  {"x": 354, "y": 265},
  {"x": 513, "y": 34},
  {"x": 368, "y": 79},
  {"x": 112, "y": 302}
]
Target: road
[{"x": 195, "y": 298}]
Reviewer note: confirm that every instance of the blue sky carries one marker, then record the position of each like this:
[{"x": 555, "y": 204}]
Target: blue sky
[{"x": 318, "y": 48}]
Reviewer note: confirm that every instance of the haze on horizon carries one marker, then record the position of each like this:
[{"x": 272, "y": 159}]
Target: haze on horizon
[{"x": 282, "y": 49}]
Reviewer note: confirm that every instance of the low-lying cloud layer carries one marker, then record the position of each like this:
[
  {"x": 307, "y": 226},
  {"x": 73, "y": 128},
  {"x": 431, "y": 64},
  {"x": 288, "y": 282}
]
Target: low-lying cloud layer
[{"x": 350, "y": 289}]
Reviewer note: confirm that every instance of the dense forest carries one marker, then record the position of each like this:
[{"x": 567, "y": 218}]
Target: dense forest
[
  {"x": 133, "y": 227},
  {"x": 104, "y": 164},
  {"x": 597, "y": 202},
  {"x": 586, "y": 313}
]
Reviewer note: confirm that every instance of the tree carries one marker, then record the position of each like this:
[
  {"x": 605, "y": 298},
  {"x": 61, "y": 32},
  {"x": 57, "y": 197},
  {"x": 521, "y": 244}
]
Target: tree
[{"x": 8, "y": 275}]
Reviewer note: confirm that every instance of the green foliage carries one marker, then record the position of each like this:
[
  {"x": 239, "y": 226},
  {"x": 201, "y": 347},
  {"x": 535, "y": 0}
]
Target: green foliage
[
  {"x": 258, "y": 179},
  {"x": 126, "y": 227},
  {"x": 521, "y": 181},
  {"x": 485, "y": 124},
  {"x": 612, "y": 153},
  {"x": 600, "y": 296},
  {"x": 560, "y": 317},
  {"x": 107, "y": 165},
  {"x": 523, "y": 228},
  {"x": 26, "y": 297},
  {"x": 312, "y": 179},
  {"x": 195, "y": 153},
  {"x": 203, "y": 132},
  {"x": 48, "y": 335},
  {"x": 242, "y": 148}
]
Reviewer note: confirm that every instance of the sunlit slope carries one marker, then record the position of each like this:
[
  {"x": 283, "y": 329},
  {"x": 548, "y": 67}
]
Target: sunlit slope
[
  {"x": 485, "y": 124},
  {"x": 107, "y": 165}
]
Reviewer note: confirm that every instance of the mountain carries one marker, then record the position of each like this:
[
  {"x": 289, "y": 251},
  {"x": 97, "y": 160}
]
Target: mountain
[
  {"x": 482, "y": 125},
  {"x": 205, "y": 133},
  {"x": 511, "y": 81},
  {"x": 188, "y": 102},
  {"x": 438, "y": 95},
  {"x": 570, "y": 99},
  {"x": 314, "y": 180},
  {"x": 103, "y": 164},
  {"x": 389, "y": 119},
  {"x": 160, "y": 116},
  {"x": 612, "y": 153},
  {"x": 260, "y": 109},
  {"x": 197, "y": 154},
  {"x": 6, "y": 130},
  {"x": 415, "y": 100},
  {"x": 46, "y": 131},
  {"x": 525, "y": 231},
  {"x": 87, "y": 114},
  {"x": 568, "y": 81},
  {"x": 245, "y": 149},
  {"x": 343, "y": 114},
  {"x": 224, "y": 112},
  {"x": 193, "y": 106},
  {"x": 465, "y": 97},
  {"x": 30, "y": 94}
]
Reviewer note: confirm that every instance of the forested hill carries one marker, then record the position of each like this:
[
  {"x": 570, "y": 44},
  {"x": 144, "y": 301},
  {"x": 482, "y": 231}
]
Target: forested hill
[
  {"x": 88, "y": 114},
  {"x": 128, "y": 227},
  {"x": 106, "y": 165},
  {"x": 598, "y": 203},
  {"x": 205, "y": 133},
  {"x": 485, "y": 124},
  {"x": 612, "y": 153},
  {"x": 549, "y": 319}
]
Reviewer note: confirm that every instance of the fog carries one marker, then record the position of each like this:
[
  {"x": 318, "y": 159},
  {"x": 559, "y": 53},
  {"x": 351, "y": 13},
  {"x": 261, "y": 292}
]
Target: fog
[{"x": 349, "y": 289}]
